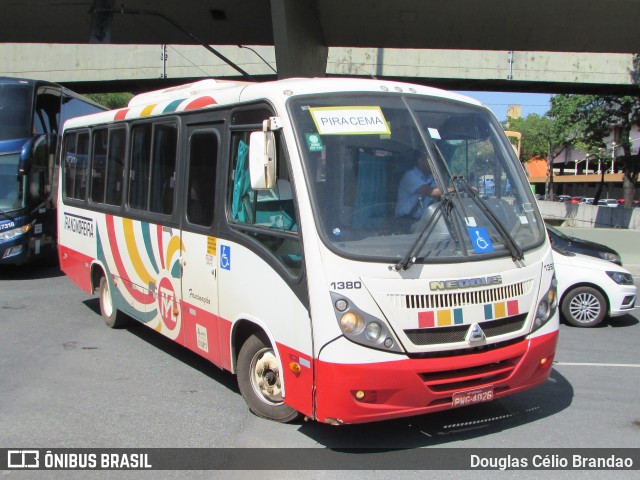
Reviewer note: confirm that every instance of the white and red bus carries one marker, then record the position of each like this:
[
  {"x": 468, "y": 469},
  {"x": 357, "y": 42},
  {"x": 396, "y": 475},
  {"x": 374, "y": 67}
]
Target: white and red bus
[{"x": 259, "y": 226}]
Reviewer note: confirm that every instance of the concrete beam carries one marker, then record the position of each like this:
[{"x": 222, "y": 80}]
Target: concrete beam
[
  {"x": 548, "y": 67},
  {"x": 299, "y": 42},
  {"x": 491, "y": 69}
]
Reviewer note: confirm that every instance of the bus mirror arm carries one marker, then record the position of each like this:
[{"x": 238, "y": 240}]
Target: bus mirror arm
[
  {"x": 262, "y": 160},
  {"x": 27, "y": 153}
]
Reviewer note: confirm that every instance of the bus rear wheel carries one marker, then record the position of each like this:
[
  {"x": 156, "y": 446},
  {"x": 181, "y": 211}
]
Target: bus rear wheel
[
  {"x": 113, "y": 317},
  {"x": 260, "y": 381}
]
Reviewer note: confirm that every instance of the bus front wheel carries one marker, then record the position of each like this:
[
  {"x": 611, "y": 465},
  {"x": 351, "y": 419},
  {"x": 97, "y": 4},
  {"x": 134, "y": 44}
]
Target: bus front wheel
[
  {"x": 113, "y": 317},
  {"x": 260, "y": 381}
]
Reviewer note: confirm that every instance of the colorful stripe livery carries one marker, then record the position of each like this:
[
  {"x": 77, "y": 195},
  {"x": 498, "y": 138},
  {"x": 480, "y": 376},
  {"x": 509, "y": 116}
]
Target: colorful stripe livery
[
  {"x": 178, "y": 105},
  {"x": 455, "y": 316},
  {"x": 493, "y": 311},
  {"x": 440, "y": 318},
  {"x": 143, "y": 263}
]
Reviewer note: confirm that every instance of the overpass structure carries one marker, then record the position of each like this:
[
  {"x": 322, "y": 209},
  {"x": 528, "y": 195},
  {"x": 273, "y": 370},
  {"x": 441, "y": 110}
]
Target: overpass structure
[
  {"x": 145, "y": 67},
  {"x": 547, "y": 45}
]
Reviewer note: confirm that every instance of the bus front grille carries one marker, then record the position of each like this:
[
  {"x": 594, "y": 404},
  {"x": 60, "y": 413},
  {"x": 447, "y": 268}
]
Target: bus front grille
[
  {"x": 460, "y": 298},
  {"x": 438, "y": 336},
  {"x": 454, "y": 380}
]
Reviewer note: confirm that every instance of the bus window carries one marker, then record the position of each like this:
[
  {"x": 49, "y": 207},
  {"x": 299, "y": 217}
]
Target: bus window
[
  {"x": 267, "y": 211},
  {"x": 203, "y": 156},
  {"x": 74, "y": 106},
  {"x": 163, "y": 169},
  {"x": 76, "y": 154},
  {"x": 16, "y": 111},
  {"x": 47, "y": 112},
  {"x": 115, "y": 172},
  {"x": 98, "y": 165},
  {"x": 139, "y": 173},
  {"x": 11, "y": 186}
]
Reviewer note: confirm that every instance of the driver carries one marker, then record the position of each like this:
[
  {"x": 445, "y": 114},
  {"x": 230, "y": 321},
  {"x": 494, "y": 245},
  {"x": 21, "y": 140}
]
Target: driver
[{"x": 417, "y": 189}]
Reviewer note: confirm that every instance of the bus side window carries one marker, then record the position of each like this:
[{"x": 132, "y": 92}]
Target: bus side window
[
  {"x": 69, "y": 160},
  {"x": 47, "y": 111},
  {"x": 163, "y": 168},
  {"x": 98, "y": 165},
  {"x": 242, "y": 193},
  {"x": 115, "y": 171},
  {"x": 76, "y": 155},
  {"x": 139, "y": 170},
  {"x": 82, "y": 167},
  {"x": 203, "y": 158},
  {"x": 272, "y": 211},
  {"x": 272, "y": 208}
]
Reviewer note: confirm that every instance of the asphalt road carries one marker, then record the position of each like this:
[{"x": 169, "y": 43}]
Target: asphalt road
[{"x": 68, "y": 381}]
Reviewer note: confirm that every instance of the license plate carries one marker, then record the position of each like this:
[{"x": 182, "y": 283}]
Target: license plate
[{"x": 469, "y": 397}]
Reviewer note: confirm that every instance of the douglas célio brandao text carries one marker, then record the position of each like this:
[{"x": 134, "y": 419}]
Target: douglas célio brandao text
[{"x": 550, "y": 461}]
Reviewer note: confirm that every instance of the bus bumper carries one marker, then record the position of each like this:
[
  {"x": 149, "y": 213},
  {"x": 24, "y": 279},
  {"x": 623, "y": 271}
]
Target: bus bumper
[
  {"x": 15, "y": 251},
  {"x": 357, "y": 393}
]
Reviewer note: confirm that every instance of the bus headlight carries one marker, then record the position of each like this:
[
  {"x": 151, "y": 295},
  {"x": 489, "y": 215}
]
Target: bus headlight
[
  {"x": 351, "y": 322},
  {"x": 547, "y": 306},
  {"x": 14, "y": 233},
  {"x": 372, "y": 331},
  {"x": 363, "y": 328}
]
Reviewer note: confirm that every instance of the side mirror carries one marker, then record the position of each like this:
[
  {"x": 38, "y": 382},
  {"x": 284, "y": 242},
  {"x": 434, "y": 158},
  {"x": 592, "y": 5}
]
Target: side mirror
[
  {"x": 29, "y": 150},
  {"x": 262, "y": 160}
]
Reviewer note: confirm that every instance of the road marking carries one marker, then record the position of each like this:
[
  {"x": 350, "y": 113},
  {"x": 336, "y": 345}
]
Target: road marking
[{"x": 580, "y": 364}]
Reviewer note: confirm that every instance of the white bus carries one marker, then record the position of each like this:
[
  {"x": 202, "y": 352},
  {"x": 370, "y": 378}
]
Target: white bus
[{"x": 260, "y": 226}]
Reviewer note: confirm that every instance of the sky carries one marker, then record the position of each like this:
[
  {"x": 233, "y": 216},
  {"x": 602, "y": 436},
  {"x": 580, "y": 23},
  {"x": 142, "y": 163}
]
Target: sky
[{"x": 499, "y": 101}]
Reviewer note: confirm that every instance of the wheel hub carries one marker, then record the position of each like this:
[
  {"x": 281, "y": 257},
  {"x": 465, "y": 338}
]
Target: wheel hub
[{"x": 266, "y": 377}]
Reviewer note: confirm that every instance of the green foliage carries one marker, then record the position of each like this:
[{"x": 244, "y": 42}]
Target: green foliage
[
  {"x": 583, "y": 122},
  {"x": 111, "y": 100},
  {"x": 535, "y": 135}
]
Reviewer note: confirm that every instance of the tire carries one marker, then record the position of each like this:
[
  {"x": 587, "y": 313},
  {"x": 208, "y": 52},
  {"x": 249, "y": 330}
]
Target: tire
[
  {"x": 260, "y": 382},
  {"x": 113, "y": 317},
  {"x": 584, "y": 307}
]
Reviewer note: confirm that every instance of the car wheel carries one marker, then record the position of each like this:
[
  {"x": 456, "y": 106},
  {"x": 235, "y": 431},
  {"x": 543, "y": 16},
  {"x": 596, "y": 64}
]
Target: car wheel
[
  {"x": 260, "y": 381},
  {"x": 584, "y": 307},
  {"x": 113, "y": 317}
]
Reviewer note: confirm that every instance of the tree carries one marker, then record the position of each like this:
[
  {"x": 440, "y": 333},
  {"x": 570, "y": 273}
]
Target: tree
[
  {"x": 595, "y": 116},
  {"x": 532, "y": 128},
  {"x": 545, "y": 136},
  {"x": 622, "y": 113},
  {"x": 111, "y": 100}
]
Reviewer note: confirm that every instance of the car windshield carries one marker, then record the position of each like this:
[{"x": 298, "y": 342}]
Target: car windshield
[
  {"x": 15, "y": 111},
  {"x": 11, "y": 186},
  {"x": 394, "y": 176}
]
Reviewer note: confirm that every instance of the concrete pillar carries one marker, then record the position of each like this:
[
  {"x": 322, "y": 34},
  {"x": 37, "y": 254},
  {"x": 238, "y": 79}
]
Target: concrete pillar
[
  {"x": 101, "y": 21},
  {"x": 298, "y": 38}
]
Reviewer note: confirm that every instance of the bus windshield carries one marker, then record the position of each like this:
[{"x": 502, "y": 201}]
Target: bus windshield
[
  {"x": 11, "y": 185},
  {"x": 425, "y": 179},
  {"x": 15, "y": 111}
]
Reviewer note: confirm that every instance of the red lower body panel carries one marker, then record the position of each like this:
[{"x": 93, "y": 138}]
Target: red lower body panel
[
  {"x": 76, "y": 266},
  {"x": 416, "y": 386}
]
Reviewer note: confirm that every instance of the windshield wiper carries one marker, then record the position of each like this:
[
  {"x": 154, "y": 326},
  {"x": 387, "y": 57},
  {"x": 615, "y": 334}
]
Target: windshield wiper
[
  {"x": 516, "y": 252},
  {"x": 6, "y": 215},
  {"x": 410, "y": 257}
]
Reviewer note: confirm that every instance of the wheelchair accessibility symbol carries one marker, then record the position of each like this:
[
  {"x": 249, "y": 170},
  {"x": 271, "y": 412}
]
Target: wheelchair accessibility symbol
[
  {"x": 480, "y": 239},
  {"x": 225, "y": 257}
]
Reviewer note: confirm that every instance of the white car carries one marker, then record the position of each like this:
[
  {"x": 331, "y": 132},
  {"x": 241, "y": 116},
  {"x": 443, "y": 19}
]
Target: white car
[
  {"x": 590, "y": 288},
  {"x": 608, "y": 202}
]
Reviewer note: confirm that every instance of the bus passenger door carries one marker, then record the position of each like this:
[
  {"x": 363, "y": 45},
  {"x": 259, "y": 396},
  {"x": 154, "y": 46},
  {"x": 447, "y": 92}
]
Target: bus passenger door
[{"x": 198, "y": 233}]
